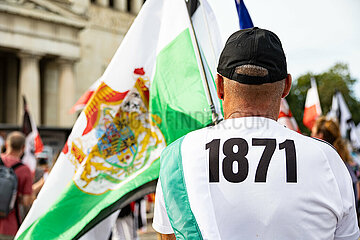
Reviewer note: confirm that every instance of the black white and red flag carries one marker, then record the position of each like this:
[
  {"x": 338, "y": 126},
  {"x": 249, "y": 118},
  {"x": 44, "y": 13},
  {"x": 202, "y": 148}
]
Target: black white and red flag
[
  {"x": 340, "y": 112},
  {"x": 33, "y": 143}
]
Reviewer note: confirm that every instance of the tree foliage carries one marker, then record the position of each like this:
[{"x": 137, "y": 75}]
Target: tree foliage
[{"x": 336, "y": 78}]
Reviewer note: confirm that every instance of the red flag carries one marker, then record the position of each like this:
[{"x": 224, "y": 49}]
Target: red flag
[
  {"x": 312, "y": 106},
  {"x": 286, "y": 118},
  {"x": 33, "y": 143}
]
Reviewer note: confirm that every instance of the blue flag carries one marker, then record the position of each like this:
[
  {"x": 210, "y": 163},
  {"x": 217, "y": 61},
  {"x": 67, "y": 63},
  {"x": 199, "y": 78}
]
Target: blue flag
[{"x": 244, "y": 16}]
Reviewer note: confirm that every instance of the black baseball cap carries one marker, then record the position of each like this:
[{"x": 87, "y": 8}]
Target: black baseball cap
[{"x": 253, "y": 46}]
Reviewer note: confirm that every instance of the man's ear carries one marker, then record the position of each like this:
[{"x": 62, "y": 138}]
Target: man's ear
[
  {"x": 219, "y": 81},
  {"x": 288, "y": 81}
]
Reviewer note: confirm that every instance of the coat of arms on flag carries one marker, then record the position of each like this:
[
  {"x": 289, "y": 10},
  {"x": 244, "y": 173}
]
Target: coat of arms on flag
[{"x": 124, "y": 134}]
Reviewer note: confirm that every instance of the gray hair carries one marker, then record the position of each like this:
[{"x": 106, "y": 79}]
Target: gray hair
[{"x": 251, "y": 70}]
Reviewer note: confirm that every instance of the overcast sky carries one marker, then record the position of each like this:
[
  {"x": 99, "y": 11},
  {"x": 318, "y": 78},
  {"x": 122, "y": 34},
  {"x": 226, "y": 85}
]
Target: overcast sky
[{"x": 315, "y": 33}]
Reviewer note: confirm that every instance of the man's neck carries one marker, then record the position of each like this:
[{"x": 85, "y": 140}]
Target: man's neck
[
  {"x": 240, "y": 114},
  {"x": 14, "y": 154}
]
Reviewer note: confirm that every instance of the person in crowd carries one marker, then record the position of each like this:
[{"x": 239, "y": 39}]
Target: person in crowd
[
  {"x": 329, "y": 131},
  {"x": 124, "y": 228},
  {"x": 15, "y": 144},
  {"x": 249, "y": 177},
  {"x": 41, "y": 173}
]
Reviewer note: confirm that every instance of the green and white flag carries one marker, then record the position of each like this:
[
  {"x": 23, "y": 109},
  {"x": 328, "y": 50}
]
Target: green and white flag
[{"x": 152, "y": 93}]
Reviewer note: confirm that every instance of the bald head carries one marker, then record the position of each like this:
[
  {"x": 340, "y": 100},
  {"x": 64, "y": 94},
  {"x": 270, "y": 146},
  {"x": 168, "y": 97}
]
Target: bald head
[
  {"x": 240, "y": 100},
  {"x": 15, "y": 142}
]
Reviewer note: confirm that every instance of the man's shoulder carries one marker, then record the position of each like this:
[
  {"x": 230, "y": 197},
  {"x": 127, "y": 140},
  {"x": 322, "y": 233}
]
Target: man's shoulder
[
  {"x": 312, "y": 143},
  {"x": 10, "y": 161},
  {"x": 318, "y": 149},
  {"x": 322, "y": 146},
  {"x": 21, "y": 170},
  {"x": 175, "y": 147}
]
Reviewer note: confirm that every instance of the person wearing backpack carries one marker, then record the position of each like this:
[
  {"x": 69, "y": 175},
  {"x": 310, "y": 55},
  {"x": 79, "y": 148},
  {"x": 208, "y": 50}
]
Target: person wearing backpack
[{"x": 15, "y": 144}]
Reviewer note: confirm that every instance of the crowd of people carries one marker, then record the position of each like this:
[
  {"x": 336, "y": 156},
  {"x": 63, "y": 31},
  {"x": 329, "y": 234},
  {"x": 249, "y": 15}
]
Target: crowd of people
[{"x": 131, "y": 219}]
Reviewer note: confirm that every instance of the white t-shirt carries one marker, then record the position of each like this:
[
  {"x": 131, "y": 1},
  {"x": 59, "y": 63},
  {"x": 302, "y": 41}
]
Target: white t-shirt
[{"x": 264, "y": 181}]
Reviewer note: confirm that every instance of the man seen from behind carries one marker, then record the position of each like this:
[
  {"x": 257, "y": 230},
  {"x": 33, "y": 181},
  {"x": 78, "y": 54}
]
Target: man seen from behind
[
  {"x": 15, "y": 144},
  {"x": 249, "y": 177}
]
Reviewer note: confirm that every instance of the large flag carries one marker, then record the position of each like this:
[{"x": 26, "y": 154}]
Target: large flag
[
  {"x": 84, "y": 99},
  {"x": 153, "y": 92},
  {"x": 312, "y": 106},
  {"x": 340, "y": 112},
  {"x": 33, "y": 143},
  {"x": 286, "y": 118},
  {"x": 244, "y": 16}
]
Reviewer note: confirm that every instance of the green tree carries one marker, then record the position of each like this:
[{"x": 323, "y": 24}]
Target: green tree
[{"x": 336, "y": 78}]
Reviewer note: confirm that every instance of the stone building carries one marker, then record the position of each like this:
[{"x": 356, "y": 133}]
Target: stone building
[{"x": 51, "y": 51}]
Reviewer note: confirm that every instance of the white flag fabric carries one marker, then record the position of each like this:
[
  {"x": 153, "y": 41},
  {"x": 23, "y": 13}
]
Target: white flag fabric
[
  {"x": 312, "y": 106},
  {"x": 333, "y": 113},
  {"x": 341, "y": 113}
]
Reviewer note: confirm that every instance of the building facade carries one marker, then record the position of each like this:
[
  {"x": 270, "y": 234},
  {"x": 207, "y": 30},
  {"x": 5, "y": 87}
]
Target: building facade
[{"x": 51, "y": 51}]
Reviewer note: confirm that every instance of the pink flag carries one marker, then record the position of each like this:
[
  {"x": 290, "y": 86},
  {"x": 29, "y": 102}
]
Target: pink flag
[
  {"x": 286, "y": 118},
  {"x": 312, "y": 106}
]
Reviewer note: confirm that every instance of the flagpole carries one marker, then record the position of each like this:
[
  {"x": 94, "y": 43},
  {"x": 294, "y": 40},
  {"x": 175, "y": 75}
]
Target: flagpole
[{"x": 215, "y": 116}]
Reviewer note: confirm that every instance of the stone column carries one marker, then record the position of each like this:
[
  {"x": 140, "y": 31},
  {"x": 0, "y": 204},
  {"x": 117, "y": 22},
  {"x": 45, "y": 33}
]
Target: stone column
[
  {"x": 120, "y": 5},
  {"x": 11, "y": 95},
  {"x": 66, "y": 92},
  {"x": 103, "y": 3},
  {"x": 29, "y": 85},
  {"x": 135, "y": 6},
  {"x": 50, "y": 93}
]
